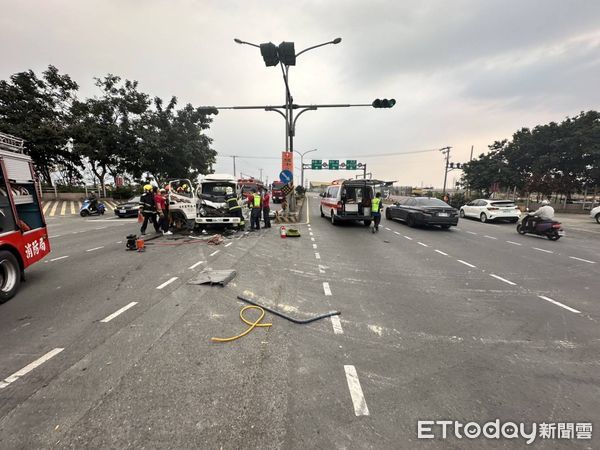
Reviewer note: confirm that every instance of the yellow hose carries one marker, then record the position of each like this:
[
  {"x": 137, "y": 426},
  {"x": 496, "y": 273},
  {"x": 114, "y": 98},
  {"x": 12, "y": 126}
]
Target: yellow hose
[{"x": 252, "y": 325}]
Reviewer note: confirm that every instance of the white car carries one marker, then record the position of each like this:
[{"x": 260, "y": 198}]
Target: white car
[
  {"x": 595, "y": 213},
  {"x": 486, "y": 210}
]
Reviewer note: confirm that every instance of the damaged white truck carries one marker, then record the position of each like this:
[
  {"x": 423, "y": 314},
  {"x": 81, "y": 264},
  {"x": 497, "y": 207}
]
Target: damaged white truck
[{"x": 202, "y": 206}]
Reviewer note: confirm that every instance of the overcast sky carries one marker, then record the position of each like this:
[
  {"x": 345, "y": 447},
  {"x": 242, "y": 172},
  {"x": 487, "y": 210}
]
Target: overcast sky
[{"x": 462, "y": 72}]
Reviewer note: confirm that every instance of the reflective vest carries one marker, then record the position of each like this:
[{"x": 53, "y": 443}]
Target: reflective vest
[
  {"x": 375, "y": 203},
  {"x": 256, "y": 201}
]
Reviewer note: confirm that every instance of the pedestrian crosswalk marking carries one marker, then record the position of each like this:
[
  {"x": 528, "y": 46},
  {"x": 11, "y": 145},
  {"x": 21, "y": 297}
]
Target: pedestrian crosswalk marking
[{"x": 72, "y": 207}]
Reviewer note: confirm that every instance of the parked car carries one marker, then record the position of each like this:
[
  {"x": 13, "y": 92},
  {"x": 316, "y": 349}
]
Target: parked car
[
  {"x": 349, "y": 200},
  {"x": 595, "y": 213},
  {"x": 423, "y": 211},
  {"x": 486, "y": 210},
  {"x": 129, "y": 208}
]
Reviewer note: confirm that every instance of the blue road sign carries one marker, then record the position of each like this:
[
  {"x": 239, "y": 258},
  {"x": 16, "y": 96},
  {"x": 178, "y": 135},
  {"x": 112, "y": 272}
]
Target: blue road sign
[{"x": 286, "y": 176}]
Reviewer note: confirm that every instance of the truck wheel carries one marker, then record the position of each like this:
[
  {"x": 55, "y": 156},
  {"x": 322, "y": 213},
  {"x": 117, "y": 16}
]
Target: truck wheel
[{"x": 10, "y": 275}]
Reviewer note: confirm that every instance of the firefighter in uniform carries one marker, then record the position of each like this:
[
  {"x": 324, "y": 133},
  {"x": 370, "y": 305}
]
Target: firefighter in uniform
[
  {"x": 256, "y": 210},
  {"x": 234, "y": 208},
  {"x": 148, "y": 209}
]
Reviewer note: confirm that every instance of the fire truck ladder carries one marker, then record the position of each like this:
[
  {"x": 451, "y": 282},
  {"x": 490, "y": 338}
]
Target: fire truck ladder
[{"x": 11, "y": 143}]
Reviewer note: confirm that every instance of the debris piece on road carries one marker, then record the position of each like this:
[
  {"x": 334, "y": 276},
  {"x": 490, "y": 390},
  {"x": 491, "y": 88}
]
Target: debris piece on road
[
  {"x": 251, "y": 325},
  {"x": 292, "y": 232},
  {"x": 212, "y": 277},
  {"x": 291, "y": 319},
  {"x": 217, "y": 239}
]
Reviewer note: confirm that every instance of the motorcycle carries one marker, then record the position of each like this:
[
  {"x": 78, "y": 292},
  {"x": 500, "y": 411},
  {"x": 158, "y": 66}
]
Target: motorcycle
[
  {"x": 551, "y": 229},
  {"x": 85, "y": 209}
]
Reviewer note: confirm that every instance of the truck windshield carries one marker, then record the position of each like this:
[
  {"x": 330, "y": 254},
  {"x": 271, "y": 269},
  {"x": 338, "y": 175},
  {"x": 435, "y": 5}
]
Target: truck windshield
[{"x": 215, "y": 191}]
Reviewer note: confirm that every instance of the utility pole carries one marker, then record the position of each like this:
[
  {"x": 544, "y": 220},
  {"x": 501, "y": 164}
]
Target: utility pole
[
  {"x": 260, "y": 174},
  {"x": 446, "y": 152}
]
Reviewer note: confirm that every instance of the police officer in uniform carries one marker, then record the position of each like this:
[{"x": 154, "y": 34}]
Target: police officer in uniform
[
  {"x": 256, "y": 210},
  {"x": 376, "y": 211}
]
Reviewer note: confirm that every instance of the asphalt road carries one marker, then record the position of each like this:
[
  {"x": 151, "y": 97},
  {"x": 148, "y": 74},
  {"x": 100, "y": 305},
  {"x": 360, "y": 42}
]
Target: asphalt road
[{"x": 476, "y": 324}]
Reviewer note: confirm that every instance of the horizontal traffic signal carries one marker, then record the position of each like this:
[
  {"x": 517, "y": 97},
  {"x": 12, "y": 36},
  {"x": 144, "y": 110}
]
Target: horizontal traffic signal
[
  {"x": 384, "y": 103},
  {"x": 269, "y": 54}
]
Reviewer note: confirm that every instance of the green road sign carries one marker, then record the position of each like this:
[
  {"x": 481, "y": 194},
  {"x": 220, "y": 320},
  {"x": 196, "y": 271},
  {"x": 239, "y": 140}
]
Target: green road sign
[
  {"x": 334, "y": 164},
  {"x": 350, "y": 164},
  {"x": 316, "y": 164}
]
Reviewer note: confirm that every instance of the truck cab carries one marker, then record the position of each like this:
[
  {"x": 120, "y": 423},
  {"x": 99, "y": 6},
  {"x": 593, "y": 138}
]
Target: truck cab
[{"x": 211, "y": 205}]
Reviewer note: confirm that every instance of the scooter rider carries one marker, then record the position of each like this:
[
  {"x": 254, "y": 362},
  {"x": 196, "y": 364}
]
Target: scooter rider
[
  {"x": 93, "y": 201},
  {"x": 544, "y": 213}
]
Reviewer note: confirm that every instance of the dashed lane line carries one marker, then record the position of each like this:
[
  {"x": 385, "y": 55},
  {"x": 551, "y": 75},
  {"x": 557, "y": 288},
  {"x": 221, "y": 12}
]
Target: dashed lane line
[
  {"x": 514, "y": 243},
  {"x": 356, "y": 393},
  {"x": 193, "y": 266},
  {"x": 118, "y": 312},
  {"x": 441, "y": 252},
  {"x": 471, "y": 232},
  {"x": 59, "y": 258},
  {"x": 489, "y": 237},
  {"x": 317, "y": 255},
  {"x": 337, "y": 325},
  {"x": 312, "y": 239},
  {"x": 166, "y": 283},
  {"x": 542, "y": 250},
  {"x": 214, "y": 253},
  {"x": 94, "y": 249},
  {"x": 28, "y": 368},
  {"x": 321, "y": 269},
  {"x": 408, "y": 237},
  {"x": 424, "y": 245},
  {"x": 388, "y": 229},
  {"x": 326, "y": 288},
  {"x": 314, "y": 246},
  {"x": 583, "y": 260},
  {"x": 395, "y": 232},
  {"x": 568, "y": 308},
  {"x": 228, "y": 244},
  {"x": 466, "y": 263},
  {"x": 503, "y": 279}
]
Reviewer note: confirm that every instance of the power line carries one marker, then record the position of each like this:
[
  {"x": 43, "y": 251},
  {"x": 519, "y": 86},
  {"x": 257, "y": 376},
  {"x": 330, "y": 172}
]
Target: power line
[{"x": 374, "y": 155}]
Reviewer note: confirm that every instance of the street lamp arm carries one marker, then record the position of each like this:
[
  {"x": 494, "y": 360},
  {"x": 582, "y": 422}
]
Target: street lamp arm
[
  {"x": 239, "y": 41},
  {"x": 335, "y": 41},
  {"x": 310, "y": 108},
  {"x": 275, "y": 110}
]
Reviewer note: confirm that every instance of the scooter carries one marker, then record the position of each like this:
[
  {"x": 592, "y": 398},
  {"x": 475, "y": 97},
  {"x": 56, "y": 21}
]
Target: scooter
[
  {"x": 85, "y": 209},
  {"x": 550, "y": 229}
]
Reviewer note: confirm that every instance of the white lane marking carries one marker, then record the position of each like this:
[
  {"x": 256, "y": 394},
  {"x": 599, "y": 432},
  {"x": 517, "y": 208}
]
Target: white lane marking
[
  {"x": 52, "y": 237},
  {"x": 315, "y": 246},
  {"x": 119, "y": 242},
  {"x": 72, "y": 208},
  {"x": 321, "y": 269},
  {"x": 584, "y": 260},
  {"x": 542, "y": 250},
  {"x": 317, "y": 256},
  {"x": 312, "y": 239},
  {"x": 59, "y": 258},
  {"x": 326, "y": 288},
  {"x": 118, "y": 312},
  {"x": 465, "y": 263},
  {"x": 408, "y": 237},
  {"x": 395, "y": 232},
  {"x": 193, "y": 266},
  {"x": 513, "y": 243},
  {"x": 214, "y": 253},
  {"x": 311, "y": 233},
  {"x": 53, "y": 210},
  {"x": 387, "y": 229},
  {"x": 424, "y": 245},
  {"x": 442, "y": 253},
  {"x": 46, "y": 206},
  {"x": 358, "y": 399},
  {"x": 95, "y": 248},
  {"x": 29, "y": 367},
  {"x": 228, "y": 244},
  {"x": 568, "y": 308},
  {"x": 100, "y": 228},
  {"x": 489, "y": 237},
  {"x": 503, "y": 279},
  {"x": 337, "y": 325},
  {"x": 166, "y": 283},
  {"x": 471, "y": 232},
  {"x": 63, "y": 208}
]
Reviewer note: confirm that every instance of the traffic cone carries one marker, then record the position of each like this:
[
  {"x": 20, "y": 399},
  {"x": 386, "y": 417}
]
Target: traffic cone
[{"x": 283, "y": 233}]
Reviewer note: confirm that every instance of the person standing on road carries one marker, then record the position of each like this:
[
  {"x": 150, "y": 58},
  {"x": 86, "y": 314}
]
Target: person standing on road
[
  {"x": 266, "y": 209},
  {"x": 376, "y": 211},
  {"x": 148, "y": 209},
  {"x": 162, "y": 210},
  {"x": 233, "y": 206},
  {"x": 255, "y": 213}
]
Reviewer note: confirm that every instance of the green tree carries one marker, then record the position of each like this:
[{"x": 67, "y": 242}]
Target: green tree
[{"x": 38, "y": 110}]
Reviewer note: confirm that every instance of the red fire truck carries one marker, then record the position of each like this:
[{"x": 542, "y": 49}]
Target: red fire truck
[{"x": 23, "y": 234}]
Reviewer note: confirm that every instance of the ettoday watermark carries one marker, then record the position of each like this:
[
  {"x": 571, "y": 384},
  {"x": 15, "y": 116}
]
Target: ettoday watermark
[{"x": 436, "y": 429}]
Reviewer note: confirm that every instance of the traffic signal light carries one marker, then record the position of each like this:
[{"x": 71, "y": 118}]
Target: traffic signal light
[
  {"x": 287, "y": 53},
  {"x": 208, "y": 110},
  {"x": 384, "y": 103},
  {"x": 269, "y": 54}
]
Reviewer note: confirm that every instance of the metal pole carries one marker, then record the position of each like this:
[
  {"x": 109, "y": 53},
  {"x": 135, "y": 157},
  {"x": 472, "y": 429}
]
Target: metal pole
[
  {"x": 302, "y": 170},
  {"x": 234, "y": 166},
  {"x": 446, "y": 150}
]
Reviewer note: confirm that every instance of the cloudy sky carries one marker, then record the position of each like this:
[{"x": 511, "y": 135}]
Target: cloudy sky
[{"x": 463, "y": 72}]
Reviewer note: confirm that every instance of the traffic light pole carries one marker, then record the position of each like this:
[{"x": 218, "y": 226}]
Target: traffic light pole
[{"x": 446, "y": 152}]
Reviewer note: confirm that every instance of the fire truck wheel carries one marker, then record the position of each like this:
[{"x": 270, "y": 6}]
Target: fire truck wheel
[{"x": 10, "y": 275}]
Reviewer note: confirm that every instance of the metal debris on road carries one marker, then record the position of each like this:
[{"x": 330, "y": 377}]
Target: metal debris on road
[{"x": 212, "y": 277}]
